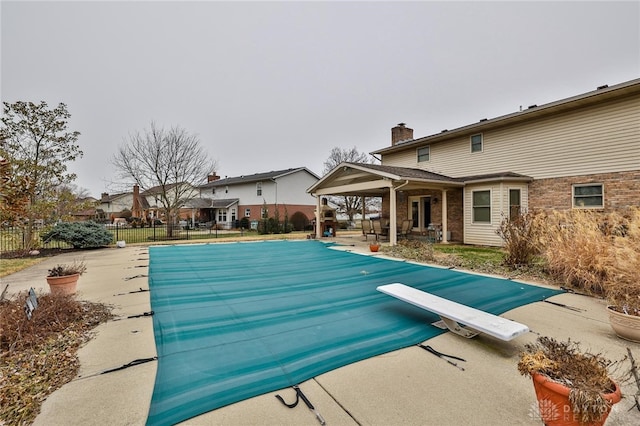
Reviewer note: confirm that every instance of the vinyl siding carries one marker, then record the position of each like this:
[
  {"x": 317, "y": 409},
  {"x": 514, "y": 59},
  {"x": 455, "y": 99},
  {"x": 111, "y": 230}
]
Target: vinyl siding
[
  {"x": 485, "y": 233},
  {"x": 599, "y": 139},
  {"x": 292, "y": 189},
  {"x": 289, "y": 189}
]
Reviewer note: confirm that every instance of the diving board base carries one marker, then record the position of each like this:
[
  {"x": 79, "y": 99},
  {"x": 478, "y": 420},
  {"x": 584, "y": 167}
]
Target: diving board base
[
  {"x": 458, "y": 329},
  {"x": 458, "y": 318}
]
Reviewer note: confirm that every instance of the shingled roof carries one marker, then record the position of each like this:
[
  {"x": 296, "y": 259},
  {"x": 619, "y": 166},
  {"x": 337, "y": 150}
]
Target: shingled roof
[{"x": 256, "y": 177}]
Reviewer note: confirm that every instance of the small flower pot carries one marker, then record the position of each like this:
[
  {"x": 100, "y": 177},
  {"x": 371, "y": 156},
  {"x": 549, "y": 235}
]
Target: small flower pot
[
  {"x": 66, "y": 284},
  {"x": 374, "y": 247}
]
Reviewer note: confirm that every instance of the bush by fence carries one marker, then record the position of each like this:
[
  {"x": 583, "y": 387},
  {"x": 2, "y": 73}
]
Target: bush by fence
[
  {"x": 12, "y": 239},
  {"x": 79, "y": 234}
]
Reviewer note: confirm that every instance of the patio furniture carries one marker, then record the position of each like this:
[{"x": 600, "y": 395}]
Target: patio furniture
[
  {"x": 366, "y": 229},
  {"x": 405, "y": 227},
  {"x": 379, "y": 231},
  {"x": 460, "y": 319},
  {"x": 434, "y": 233}
]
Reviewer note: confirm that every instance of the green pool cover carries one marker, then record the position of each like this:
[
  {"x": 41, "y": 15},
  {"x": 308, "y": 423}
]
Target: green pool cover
[{"x": 238, "y": 320}]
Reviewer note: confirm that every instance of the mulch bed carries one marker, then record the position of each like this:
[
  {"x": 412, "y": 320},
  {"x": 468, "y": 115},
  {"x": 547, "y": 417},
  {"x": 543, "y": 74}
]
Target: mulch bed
[{"x": 39, "y": 355}]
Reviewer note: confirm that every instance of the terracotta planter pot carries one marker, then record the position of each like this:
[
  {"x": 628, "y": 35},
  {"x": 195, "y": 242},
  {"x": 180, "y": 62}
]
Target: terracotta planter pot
[
  {"x": 553, "y": 402},
  {"x": 66, "y": 284},
  {"x": 625, "y": 326},
  {"x": 374, "y": 247}
]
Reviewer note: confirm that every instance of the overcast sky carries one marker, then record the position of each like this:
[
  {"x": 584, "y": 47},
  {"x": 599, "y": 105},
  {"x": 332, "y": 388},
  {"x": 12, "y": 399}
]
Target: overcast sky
[{"x": 273, "y": 85}]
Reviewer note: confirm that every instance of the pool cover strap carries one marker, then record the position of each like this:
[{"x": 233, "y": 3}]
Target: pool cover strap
[
  {"x": 299, "y": 395},
  {"x": 443, "y": 356},
  {"x": 131, "y": 364}
]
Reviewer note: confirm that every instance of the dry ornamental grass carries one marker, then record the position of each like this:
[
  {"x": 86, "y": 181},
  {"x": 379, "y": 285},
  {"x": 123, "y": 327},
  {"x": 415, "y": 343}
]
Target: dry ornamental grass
[{"x": 596, "y": 252}]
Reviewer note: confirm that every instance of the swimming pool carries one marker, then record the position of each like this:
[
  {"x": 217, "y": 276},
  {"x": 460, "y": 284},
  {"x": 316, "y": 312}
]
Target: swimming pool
[{"x": 237, "y": 320}]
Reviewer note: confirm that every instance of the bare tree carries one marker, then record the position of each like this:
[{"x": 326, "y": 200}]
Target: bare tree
[
  {"x": 348, "y": 204},
  {"x": 71, "y": 200},
  {"x": 169, "y": 162}
]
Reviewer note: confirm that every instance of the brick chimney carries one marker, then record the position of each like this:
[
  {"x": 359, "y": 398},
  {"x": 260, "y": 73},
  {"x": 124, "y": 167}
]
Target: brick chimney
[
  {"x": 401, "y": 133},
  {"x": 104, "y": 197},
  {"x": 212, "y": 177}
]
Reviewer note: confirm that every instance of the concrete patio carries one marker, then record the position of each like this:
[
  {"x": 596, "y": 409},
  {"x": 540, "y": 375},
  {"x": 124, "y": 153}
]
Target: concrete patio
[{"x": 405, "y": 387}]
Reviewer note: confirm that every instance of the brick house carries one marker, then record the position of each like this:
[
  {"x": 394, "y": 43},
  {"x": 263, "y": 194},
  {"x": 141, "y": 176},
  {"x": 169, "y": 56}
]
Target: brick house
[
  {"x": 582, "y": 152},
  {"x": 232, "y": 198}
]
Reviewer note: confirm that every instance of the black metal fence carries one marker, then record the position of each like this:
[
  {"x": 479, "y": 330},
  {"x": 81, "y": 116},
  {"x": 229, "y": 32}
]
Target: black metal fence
[{"x": 13, "y": 239}]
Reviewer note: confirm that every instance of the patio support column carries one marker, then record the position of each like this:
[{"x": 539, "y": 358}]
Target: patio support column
[
  {"x": 393, "y": 220},
  {"x": 318, "y": 209},
  {"x": 364, "y": 208},
  {"x": 444, "y": 216}
]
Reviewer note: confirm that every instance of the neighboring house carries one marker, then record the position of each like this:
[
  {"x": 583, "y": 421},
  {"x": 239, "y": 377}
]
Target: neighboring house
[
  {"x": 233, "y": 198},
  {"x": 146, "y": 204},
  {"x": 88, "y": 213},
  {"x": 581, "y": 152},
  {"x": 150, "y": 205},
  {"x": 113, "y": 205}
]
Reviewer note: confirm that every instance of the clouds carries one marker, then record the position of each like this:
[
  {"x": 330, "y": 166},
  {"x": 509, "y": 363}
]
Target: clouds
[{"x": 276, "y": 85}]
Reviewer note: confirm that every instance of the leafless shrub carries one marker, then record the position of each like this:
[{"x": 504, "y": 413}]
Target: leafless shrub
[{"x": 521, "y": 238}]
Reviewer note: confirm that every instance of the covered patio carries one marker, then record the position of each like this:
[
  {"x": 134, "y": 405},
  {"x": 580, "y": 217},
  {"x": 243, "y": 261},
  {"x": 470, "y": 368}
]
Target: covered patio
[{"x": 423, "y": 197}]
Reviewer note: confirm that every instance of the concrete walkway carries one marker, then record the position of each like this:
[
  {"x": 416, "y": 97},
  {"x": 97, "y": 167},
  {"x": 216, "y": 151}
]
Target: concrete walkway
[{"x": 405, "y": 387}]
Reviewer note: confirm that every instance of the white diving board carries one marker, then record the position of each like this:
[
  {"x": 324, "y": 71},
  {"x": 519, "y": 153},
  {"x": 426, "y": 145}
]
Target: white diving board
[{"x": 460, "y": 319}]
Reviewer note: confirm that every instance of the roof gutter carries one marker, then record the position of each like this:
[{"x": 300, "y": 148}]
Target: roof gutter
[{"x": 406, "y": 182}]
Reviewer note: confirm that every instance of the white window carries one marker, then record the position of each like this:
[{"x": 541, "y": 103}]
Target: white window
[
  {"x": 476, "y": 143},
  {"x": 423, "y": 154},
  {"x": 588, "y": 196},
  {"x": 222, "y": 215},
  {"x": 213, "y": 190},
  {"x": 481, "y": 206},
  {"x": 264, "y": 213},
  {"x": 233, "y": 215},
  {"x": 247, "y": 212},
  {"x": 259, "y": 189}
]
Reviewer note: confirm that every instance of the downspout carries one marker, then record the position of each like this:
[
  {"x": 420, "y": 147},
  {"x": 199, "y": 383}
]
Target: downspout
[
  {"x": 276, "y": 183},
  {"x": 275, "y": 205},
  {"x": 445, "y": 219},
  {"x": 318, "y": 207}
]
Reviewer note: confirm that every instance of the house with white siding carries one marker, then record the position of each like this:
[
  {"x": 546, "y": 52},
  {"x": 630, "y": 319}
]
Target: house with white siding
[
  {"x": 582, "y": 152},
  {"x": 114, "y": 204},
  {"x": 232, "y": 198}
]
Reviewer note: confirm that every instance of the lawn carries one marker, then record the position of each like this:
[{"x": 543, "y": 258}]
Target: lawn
[
  {"x": 472, "y": 255},
  {"x": 147, "y": 235},
  {"x": 9, "y": 266}
]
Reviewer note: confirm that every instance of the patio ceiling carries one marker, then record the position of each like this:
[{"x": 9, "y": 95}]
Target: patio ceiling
[{"x": 374, "y": 180}]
